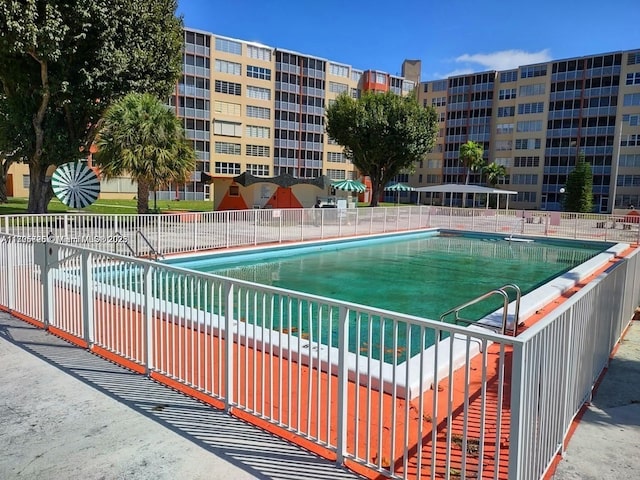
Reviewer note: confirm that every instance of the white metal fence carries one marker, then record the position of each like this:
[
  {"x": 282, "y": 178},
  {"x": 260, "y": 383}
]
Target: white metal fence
[
  {"x": 314, "y": 366},
  {"x": 185, "y": 232}
]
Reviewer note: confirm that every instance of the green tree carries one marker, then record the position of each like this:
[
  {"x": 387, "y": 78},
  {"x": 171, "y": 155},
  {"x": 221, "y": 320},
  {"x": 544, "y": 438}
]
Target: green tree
[
  {"x": 143, "y": 138},
  {"x": 471, "y": 157},
  {"x": 63, "y": 63},
  {"x": 578, "y": 195},
  {"x": 383, "y": 134},
  {"x": 493, "y": 172}
]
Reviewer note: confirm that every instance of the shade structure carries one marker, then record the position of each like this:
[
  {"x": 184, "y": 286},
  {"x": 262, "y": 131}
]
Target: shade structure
[
  {"x": 349, "y": 186},
  {"x": 75, "y": 184}
]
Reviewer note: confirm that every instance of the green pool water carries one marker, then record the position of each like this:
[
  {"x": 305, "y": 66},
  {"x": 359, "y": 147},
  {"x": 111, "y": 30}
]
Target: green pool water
[{"x": 423, "y": 275}]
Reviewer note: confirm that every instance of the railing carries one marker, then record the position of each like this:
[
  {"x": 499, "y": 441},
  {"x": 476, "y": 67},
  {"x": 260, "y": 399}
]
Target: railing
[
  {"x": 187, "y": 232},
  {"x": 502, "y": 410}
]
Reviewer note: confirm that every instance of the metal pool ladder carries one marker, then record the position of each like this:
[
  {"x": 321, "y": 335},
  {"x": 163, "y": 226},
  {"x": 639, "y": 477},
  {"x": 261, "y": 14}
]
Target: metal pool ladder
[{"x": 505, "y": 313}]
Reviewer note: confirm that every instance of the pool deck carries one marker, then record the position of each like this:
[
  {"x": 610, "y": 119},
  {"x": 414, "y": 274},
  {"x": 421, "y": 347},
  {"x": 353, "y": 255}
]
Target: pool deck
[{"x": 66, "y": 413}]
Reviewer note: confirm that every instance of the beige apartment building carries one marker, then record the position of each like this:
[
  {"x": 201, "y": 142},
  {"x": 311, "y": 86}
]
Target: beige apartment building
[{"x": 255, "y": 112}]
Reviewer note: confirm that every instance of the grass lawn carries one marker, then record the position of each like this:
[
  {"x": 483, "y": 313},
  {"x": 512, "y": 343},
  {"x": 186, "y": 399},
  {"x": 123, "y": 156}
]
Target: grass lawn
[{"x": 19, "y": 206}]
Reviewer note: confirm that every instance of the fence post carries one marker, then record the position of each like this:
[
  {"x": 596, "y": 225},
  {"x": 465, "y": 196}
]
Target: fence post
[
  {"x": 87, "y": 297},
  {"x": 228, "y": 345},
  {"x": 255, "y": 227},
  {"x": 148, "y": 320},
  {"x": 343, "y": 390},
  {"x": 518, "y": 413}
]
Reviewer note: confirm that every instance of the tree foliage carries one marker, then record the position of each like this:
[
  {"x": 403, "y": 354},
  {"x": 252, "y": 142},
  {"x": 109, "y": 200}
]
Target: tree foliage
[
  {"x": 493, "y": 172},
  {"x": 578, "y": 195},
  {"x": 471, "y": 157},
  {"x": 63, "y": 63},
  {"x": 383, "y": 134},
  {"x": 142, "y": 137}
]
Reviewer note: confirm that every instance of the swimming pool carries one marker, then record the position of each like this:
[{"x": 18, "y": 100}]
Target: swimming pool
[{"x": 422, "y": 274}]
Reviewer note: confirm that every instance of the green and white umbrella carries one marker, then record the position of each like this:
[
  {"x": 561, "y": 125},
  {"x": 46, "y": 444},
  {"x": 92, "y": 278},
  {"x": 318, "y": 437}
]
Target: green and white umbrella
[
  {"x": 399, "y": 187},
  {"x": 349, "y": 186},
  {"x": 75, "y": 184}
]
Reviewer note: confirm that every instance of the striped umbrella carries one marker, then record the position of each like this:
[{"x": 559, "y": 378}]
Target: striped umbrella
[
  {"x": 349, "y": 186},
  {"x": 399, "y": 187},
  {"x": 75, "y": 184}
]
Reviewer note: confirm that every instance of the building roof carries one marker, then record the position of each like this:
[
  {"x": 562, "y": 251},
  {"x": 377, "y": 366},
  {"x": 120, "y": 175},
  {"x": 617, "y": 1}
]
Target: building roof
[{"x": 457, "y": 188}]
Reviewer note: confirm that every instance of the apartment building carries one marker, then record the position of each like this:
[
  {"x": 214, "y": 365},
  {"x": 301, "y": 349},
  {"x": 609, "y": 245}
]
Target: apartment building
[{"x": 535, "y": 120}]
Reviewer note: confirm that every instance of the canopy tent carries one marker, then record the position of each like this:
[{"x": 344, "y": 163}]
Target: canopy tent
[{"x": 466, "y": 189}]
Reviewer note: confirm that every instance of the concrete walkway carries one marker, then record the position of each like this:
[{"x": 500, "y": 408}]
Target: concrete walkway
[
  {"x": 68, "y": 414},
  {"x": 606, "y": 444}
]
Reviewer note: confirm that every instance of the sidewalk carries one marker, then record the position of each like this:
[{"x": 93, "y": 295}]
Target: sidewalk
[
  {"x": 606, "y": 444},
  {"x": 66, "y": 413}
]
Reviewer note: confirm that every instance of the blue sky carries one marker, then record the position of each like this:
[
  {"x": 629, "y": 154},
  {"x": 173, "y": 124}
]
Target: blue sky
[{"x": 449, "y": 36}]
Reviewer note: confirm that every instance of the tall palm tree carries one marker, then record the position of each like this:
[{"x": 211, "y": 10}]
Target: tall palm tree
[
  {"x": 140, "y": 136},
  {"x": 471, "y": 157},
  {"x": 494, "y": 172}
]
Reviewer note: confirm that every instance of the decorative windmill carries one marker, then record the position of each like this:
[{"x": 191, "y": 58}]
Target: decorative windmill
[{"x": 75, "y": 184}]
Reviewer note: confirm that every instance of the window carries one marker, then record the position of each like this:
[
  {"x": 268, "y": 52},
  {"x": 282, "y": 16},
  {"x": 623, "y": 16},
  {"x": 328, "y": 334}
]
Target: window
[
  {"x": 631, "y": 99},
  {"x": 408, "y": 85},
  {"x": 229, "y": 88},
  {"x": 504, "y": 128},
  {"x": 381, "y": 78},
  {"x": 258, "y": 72},
  {"x": 229, "y": 46},
  {"x": 632, "y": 120},
  {"x": 507, "y": 94},
  {"x": 432, "y": 178},
  {"x": 528, "y": 143},
  {"x": 258, "y": 170},
  {"x": 259, "y": 53},
  {"x": 355, "y": 75},
  {"x": 336, "y": 157},
  {"x": 434, "y": 163},
  {"x": 25, "y": 181},
  {"x": 228, "y": 168},
  {"x": 630, "y": 141},
  {"x": 336, "y": 174},
  {"x": 229, "y": 129},
  {"x": 506, "y": 111},
  {"x": 510, "y": 76},
  {"x": 529, "y": 126},
  {"x": 529, "y": 90},
  {"x": 524, "y": 179},
  {"x": 628, "y": 181},
  {"x": 526, "y": 197},
  {"x": 336, "y": 87},
  {"x": 255, "y": 131},
  {"x": 226, "y": 108},
  {"x": 259, "y": 93},
  {"x": 533, "y": 71},
  {"x": 257, "y": 151},
  {"x": 502, "y": 145},
  {"x": 442, "y": 117},
  {"x": 633, "y": 78},
  {"x": 504, "y": 161},
  {"x": 226, "y": 148},
  {"x": 526, "y": 108},
  {"x": 439, "y": 86},
  {"x": 438, "y": 101},
  {"x": 633, "y": 58},
  {"x": 258, "y": 112},
  {"x": 355, "y": 93},
  {"x": 632, "y": 160},
  {"x": 338, "y": 70},
  {"x": 232, "y": 68},
  {"x": 526, "y": 161}
]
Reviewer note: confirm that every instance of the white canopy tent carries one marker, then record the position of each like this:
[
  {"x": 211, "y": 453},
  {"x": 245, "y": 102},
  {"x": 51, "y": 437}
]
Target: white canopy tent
[{"x": 465, "y": 189}]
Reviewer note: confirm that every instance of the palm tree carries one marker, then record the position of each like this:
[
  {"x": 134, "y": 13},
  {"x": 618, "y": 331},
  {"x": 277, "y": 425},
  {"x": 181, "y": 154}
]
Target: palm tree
[
  {"x": 494, "y": 172},
  {"x": 140, "y": 136},
  {"x": 471, "y": 157}
]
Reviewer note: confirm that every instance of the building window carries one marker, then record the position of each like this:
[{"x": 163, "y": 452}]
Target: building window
[
  {"x": 507, "y": 94},
  {"x": 533, "y": 71},
  {"x": 528, "y": 143},
  {"x": 633, "y": 58},
  {"x": 630, "y": 140},
  {"x": 355, "y": 93},
  {"x": 510, "y": 76},
  {"x": 408, "y": 85},
  {"x": 628, "y": 181},
  {"x": 232, "y": 68},
  {"x": 631, "y": 99},
  {"x": 226, "y": 108},
  {"x": 228, "y": 46},
  {"x": 631, "y": 160},
  {"x": 356, "y": 75},
  {"x": 439, "y": 86},
  {"x": 337, "y": 157},
  {"x": 226, "y": 148},
  {"x": 526, "y": 108},
  {"x": 432, "y": 178},
  {"x": 336, "y": 87},
  {"x": 25, "y": 181},
  {"x": 259, "y": 53},
  {"x": 526, "y": 161},
  {"x": 229, "y": 88},
  {"x": 524, "y": 179},
  {"x": 506, "y": 111},
  {"x": 504, "y": 161},
  {"x": 255, "y": 131},
  {"x": 227, "y": 168},
  {"x": 529, "y": 126},
  {"x": 258, "y": 170},
  {"x": 258, "y": 112},
  {"x": 381, "y": 78},
  {"x": 258, "y": 72},
  {"x": 502, "y": 145},
  {"x": 633, "y": 78},
  {"x": 526, "y": 197},
  {"x": 257, "y": 151},
  {"x": 632, "y": 120},
  {"x": 438, "y": 101},
  {"x": 529, "y": 90},
  {"x": 229, "y": 129},
  {"x": 504, "y": 128},
  {"x": 258, "y": 93},
  {"x": 338, "y": 70},
  {"x": 336, "y": 174},
  {"x": 234, "y": 191}
]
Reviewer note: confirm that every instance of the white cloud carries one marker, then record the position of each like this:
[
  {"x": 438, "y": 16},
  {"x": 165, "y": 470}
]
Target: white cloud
[{"x": 504, "y": 60}]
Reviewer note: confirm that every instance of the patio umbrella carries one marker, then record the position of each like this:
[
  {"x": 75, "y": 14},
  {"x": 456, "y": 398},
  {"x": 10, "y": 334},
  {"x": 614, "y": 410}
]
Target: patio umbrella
[
  {"x": 75, "y": 184},
  {"x": 349, "y": 186},
  {"x": 399, "y": 187}
]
